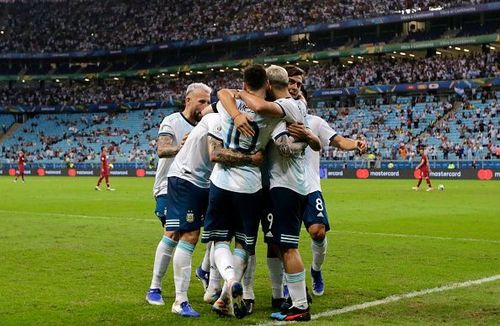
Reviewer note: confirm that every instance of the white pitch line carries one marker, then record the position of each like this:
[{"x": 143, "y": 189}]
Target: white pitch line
[
  {"x": 92, "y": 217},
  {"x": 394, "y": 298},
  {"x": 402, "y": 235}
]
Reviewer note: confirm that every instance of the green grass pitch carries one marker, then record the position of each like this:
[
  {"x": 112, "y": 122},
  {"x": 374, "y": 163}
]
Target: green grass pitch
[{"x": 72, "y": 256}]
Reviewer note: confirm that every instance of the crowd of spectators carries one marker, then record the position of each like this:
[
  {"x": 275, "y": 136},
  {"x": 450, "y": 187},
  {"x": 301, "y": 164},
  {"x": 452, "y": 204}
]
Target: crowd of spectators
[
  {"x": 387, "y": 70},
  {"x": 76, "y": 25},
  {"x": 368, "y": 71}
]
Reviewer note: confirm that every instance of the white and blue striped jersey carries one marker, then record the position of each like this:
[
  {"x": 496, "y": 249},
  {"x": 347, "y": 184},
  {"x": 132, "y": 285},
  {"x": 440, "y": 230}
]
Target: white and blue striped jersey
[
  {"x": 175, "y": 125},
  {"x": 288, "y": 172},
  {"x": 320, "y": 128},
  {"x": 245, "y": 179},
  {"x": 192, "y": 163}
]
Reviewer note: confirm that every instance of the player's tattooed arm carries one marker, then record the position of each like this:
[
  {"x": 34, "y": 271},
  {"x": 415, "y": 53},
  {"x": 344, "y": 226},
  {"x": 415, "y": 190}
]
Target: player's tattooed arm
[
  {"x": 261, "y": 106},
  {"x": 303, "y": 134},
  {"x": 287, "y": 146},
  {"x": 229, "y": 157},
  {"x": 166, "y": 148}
]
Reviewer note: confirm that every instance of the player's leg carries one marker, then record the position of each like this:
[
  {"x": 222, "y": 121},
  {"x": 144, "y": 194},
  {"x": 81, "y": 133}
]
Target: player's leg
[
  {"x": 163, "y": 254},
  {"x": 217, "y": 228},
  {"x": 22, "y": 176},
  {"x": 428, "y": 181},
  {"x": 289, "y": 209},
  {"x": 214, "y": 283},
  {"x": 203, "y": 271},
  {"x": 189, "y": 207},
  {"x": 108, "y": 187},
  {"x": 316, "y": 222},
  {"x": 249, "y": 212},
  {"x": 101, "y": 177},
  {"x": 182, "y": 262},
  {"x": 418, "y": 183}
]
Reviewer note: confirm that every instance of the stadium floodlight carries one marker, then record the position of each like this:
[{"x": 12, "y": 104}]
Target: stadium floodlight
[
  {"x": 188, "y": 73},
  {"x": 411, "y": 55},
  {"x": 172, "y": 75},
  {"x": 2, "y": 32},
  {"x": 402, "y": 53},
  {"x": 437, "y": 52},
  {"x": 236, "y": 69},
  {"x": 116, "y": 78},
  {"x": 199, "y": 72},
  {"x": 87, "y": 80},
  {"x": 457, "y": 48},
  {"x": 466, "y": 50},
  {"x": 349, "y": 61},
  {"x": 393, "y": 57},
  {"x": 57, "y": 80},
  {"x": 221, "y": 70},
  {"x": 315, "y": 61},
  {"x": 492, "y": 47}
]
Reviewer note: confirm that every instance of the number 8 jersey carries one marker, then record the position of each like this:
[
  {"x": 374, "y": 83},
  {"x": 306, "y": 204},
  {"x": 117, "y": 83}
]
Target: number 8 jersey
[{"x": 245, "y": 179}]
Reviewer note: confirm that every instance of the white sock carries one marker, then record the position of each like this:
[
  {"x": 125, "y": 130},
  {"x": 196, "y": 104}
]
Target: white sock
[
  {"x": 319, "y": 253},
  {"x": 225, "y": 265},
  {"x": 240, "y": 259},
  {"x": 297, "y": 289},
  {"x": 164, "y": 252},
  {"x": 205, "y": 264},
  {"x": 275, "y": 267},
  {"x": 183, "y": 257},
  {"x": 248, "y": 278},
  {"x": 214, "y": 282}
]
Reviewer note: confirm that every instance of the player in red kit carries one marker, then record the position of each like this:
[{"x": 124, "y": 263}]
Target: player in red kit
[
  {"x": 104, "y": 170},
  {"x": 424, "y": 168},
  {"x": 20, "y": 166}
]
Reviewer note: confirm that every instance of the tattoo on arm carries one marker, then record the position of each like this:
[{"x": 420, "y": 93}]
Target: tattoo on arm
[
  {"x": 166, "y": 147},
  {"x": 226, "y": 156},
  {"x": 287, "y": 147}
]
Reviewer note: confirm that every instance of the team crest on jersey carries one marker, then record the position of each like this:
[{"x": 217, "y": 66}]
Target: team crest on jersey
[{"x": 190, "y": 217}]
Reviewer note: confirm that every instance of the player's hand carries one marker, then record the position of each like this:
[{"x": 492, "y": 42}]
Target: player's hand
[
  {"x": 242, "y": 123},
  {"x": 258, "y": 158},
  {"x": 361, "y": 146},
  {"x": 298, "y": 131}
]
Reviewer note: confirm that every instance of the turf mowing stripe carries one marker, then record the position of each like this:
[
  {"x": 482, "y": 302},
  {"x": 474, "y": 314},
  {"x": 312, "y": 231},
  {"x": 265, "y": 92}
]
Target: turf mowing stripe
[
  {"x": 396, "y": 297},
  {"x": 396, "y": 235},
  {"x": 94, "y": 217},
  {"x": 402, "y": 235}
]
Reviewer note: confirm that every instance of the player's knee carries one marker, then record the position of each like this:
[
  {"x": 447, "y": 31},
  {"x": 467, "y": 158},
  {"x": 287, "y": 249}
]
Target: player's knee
[
  {"x": 317, "y": 232},
  {"x": 190, "y": 236},
  {"x": 174, "y": 235}
]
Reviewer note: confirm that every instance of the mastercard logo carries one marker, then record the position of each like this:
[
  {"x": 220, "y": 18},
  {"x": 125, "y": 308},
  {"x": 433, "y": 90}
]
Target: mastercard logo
[
  {"x": 140, "y": 172},
  {"x": 72, "y": 172},
  {"x": 362, "y": 173},
  {"x": 485, "y": 174},
  {"x": 40, "y": 172},
  {"x": 12, "y": 172}
]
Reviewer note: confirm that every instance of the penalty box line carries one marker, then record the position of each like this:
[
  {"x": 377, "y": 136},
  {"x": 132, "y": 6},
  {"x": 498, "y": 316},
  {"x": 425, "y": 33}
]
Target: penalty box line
[{"x": 395, "y": 298}]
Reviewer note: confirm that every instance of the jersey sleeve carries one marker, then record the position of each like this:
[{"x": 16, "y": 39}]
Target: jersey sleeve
[
  {"x": 166, "y": 128},
  {"x": 291, "y": 110},
  {"x": 214, "y": 128},
  {"x": 325, "y": 133},
  {"x": 279, "y": 130}
]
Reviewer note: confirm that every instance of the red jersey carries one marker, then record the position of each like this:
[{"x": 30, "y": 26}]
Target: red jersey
[
  {"x": 21, "y": 162},
  {"x": 424, "y": 161},
  {"x": 104, "y": 164}
]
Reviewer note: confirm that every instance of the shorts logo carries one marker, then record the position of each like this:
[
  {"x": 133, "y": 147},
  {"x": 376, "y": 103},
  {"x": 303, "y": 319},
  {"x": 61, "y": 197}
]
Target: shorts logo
[{"x": 190, "y": 217}]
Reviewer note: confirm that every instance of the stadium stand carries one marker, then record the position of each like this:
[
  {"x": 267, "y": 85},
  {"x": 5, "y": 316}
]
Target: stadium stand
[{"x": 56, "y": 26}]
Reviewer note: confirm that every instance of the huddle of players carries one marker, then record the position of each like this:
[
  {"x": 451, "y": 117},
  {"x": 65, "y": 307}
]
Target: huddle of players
[{"x": 221, "y": 179}]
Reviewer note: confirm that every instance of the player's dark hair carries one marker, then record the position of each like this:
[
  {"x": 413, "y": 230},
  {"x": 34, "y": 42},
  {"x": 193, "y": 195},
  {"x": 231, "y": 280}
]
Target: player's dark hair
[
  {"x": 102, "y": 147},
  {"x": 255, "y": 77},
  {"x": 294, "y": 71}
]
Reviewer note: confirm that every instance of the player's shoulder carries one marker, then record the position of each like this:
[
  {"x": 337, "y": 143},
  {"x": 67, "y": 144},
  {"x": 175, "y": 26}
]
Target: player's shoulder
[{"x": 172, "y": 117}]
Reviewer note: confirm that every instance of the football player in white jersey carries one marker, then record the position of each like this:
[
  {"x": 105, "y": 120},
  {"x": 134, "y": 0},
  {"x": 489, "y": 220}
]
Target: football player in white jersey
[
  {"x": 235, "y": 192},
  {"x": 315, "y": 214},
  {"x": 188, "y": 184},
  {"x": 288, "y": 190},
  {"x": 171, "y": 136}
]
